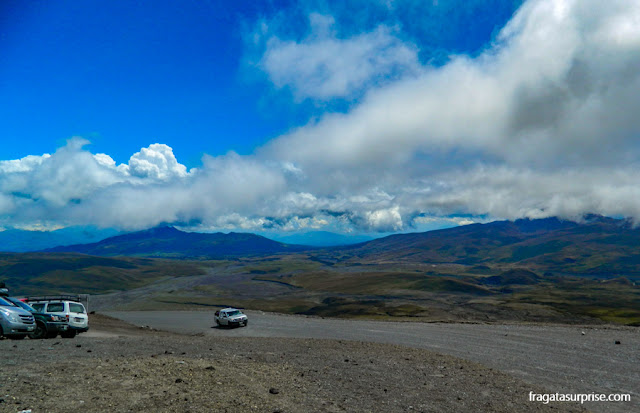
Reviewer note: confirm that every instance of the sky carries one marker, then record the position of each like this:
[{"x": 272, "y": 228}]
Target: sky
[{"x": 361, "y": 117}]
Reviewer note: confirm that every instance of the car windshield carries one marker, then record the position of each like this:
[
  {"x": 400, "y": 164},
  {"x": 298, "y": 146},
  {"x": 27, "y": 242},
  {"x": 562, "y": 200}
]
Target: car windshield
[
  {"x": 234, "y": 312},
  {"x": 22, "y": 304},
  {"x": 5, "y": 303}
]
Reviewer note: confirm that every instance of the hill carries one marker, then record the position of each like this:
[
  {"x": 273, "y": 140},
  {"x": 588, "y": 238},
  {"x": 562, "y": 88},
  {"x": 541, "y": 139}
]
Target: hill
[
  {"x": 598, "y": 246},
  {"x": 170, "y": 242},
  {"x": 35, "y": 273}
]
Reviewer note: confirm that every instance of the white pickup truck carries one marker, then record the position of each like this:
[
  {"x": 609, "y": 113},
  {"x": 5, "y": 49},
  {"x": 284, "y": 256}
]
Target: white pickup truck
[{"x": 231, "y": 317}]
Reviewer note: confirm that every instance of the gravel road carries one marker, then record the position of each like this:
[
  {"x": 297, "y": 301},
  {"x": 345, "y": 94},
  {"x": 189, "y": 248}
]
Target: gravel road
[
  {"x": 117, "y": 367},
  {"x": 562, "y": 359}
]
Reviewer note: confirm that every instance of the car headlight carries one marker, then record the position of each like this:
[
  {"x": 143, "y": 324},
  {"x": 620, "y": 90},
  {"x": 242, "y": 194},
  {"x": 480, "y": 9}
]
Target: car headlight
[{"x": 11, "y": 316}]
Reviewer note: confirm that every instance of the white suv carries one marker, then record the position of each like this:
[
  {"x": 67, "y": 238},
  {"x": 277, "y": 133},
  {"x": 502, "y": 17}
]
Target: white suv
[
  {"x": 230, "y": 317},
  {"x": 73, "y": 311}
]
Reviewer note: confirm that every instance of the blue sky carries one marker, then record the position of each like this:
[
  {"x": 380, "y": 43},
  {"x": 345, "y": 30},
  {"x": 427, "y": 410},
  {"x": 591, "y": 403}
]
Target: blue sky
[
  {"x": 128, "y": 74},
  {"x": 357, "y": 116}
]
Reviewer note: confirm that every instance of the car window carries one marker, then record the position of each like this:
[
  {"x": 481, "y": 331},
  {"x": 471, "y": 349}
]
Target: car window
[
  {"x": 232, "y": 313},
  {"x": 55, "y": 307},
  {"x": 76, "y": 308},
  {"x": 38, "y": 307}
]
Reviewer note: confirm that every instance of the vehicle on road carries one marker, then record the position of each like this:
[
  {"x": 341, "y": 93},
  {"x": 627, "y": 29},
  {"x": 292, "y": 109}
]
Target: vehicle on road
[
  {"x": 231, "y": 317},
  {"x": 65, "y": 306},
  {"x": 47, "y": 325},
  {"x": 15, "y": 323}
]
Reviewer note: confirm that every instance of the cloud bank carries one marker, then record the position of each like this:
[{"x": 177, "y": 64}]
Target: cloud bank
[{"x": 542, "y": 123}]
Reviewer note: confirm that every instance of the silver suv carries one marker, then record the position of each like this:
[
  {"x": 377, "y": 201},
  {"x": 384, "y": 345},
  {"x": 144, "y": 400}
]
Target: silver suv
[{"x": 15, "y": 322}]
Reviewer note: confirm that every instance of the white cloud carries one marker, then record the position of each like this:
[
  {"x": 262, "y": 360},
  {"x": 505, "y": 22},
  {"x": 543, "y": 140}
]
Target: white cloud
[
  {"x": 22, "y": 165},
  {"x": 544, "y": 123},
  {"x": 386, "y": 220},
  {"x": 561, "y": 77},
  {"x": 157, "y": 161},
  {"x": 323, "y": 66}
]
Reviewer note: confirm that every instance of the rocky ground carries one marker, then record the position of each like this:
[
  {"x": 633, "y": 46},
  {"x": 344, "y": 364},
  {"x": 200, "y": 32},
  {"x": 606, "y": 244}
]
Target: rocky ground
[{"x": 117, "y": 367}]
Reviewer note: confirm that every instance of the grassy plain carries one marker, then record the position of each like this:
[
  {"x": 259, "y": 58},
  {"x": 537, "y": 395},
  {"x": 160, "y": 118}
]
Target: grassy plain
[{"x": 307, "y": 284}]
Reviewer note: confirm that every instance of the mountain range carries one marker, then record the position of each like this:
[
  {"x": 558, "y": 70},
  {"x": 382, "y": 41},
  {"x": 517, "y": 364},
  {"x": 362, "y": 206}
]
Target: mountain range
[
  {"x": 596, "y": 245},
  {"x": 169, "y": 242},
  {"x": 542, "y": 269}
]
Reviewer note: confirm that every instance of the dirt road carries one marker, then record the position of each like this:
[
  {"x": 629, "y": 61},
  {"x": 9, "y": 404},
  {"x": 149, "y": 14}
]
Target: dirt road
[
  {"x": 117, "y": 367},
  {"x": 563, "y": 359}
]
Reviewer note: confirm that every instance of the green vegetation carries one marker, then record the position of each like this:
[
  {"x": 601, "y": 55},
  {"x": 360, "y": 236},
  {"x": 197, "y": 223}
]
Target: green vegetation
[
  {"x": 349, "y": 308},
  {"x": 50, "y": 273}
]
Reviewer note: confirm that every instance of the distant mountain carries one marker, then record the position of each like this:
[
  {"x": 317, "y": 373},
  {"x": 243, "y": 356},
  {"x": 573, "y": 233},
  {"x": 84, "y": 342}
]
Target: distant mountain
[
  {"x": 322, "y": 239},
  {"x": 170, "y": 242},
  {"x": 599, "y": 245},
  {"x": 16, "y": 240}
]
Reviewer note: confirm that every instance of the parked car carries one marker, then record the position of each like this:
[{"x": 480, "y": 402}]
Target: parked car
[
  {"x": 72, "y": 311},
  {"x": 231, "y": 317},
  {"x": 47, "y": 325},
  {"x": 15, "y": 322}
]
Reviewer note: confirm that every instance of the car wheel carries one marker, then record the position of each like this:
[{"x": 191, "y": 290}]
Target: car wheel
[
  {"x": 246, "y": 322},
  {"x": 68, "y": 334},
  {"x": 39, "y": 333}
]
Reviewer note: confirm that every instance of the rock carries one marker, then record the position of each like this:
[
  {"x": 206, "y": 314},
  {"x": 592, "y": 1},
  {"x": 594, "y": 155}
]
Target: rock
[
  {"x": 179, "y": 381},
  {"x": 273, "y": 390},
  {"x": 617, "y": 341}
]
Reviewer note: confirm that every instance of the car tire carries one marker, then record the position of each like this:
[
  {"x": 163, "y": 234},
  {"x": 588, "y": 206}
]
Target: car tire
[
  {"x": 39, "y": 333},
  {"x": 246, "y": 322},
  {"x": 68, "y": 334}
]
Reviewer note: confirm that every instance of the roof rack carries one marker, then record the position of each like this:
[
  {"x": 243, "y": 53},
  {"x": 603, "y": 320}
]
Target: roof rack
[{"x": 61, "y": 297}]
